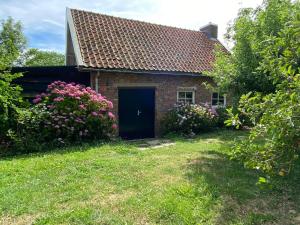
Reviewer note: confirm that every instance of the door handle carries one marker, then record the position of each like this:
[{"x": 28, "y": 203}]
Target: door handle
[{"x": 139, "y": 112}]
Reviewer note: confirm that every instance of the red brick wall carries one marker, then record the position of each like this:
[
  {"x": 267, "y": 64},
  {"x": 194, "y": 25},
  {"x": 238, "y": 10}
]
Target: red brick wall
[{"x": 166, "y": 87}]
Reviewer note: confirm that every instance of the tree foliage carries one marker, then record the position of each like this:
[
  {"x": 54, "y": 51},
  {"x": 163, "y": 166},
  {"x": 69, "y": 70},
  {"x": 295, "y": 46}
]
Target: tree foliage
[
  {"x": 12, "y": 43},
  {"x": 263, "y": 75},
  {"x": 13, "y": 49},
  {"x": 10, "y": 101},
  {"x": 274, "y": 142},
  {"x": 241, "y": 72},
  {"x": 36, "y": 57}
]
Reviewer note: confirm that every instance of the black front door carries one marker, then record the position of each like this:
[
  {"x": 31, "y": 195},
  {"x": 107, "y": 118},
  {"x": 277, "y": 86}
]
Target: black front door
[{"x": 136, "y": 112}]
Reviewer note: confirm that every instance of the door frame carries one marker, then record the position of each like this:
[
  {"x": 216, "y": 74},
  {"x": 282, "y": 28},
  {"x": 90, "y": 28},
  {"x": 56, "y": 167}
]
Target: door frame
[{"x": 128, "y": 87}]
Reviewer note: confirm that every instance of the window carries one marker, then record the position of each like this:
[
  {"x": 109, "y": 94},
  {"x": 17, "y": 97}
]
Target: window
[
  {"x": 186, "y": 97},
  {"x": 218, "y": 99}
]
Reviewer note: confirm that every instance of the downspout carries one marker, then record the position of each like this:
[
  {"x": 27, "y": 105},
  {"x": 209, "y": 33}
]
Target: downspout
[{"x": 97, "y": 82}]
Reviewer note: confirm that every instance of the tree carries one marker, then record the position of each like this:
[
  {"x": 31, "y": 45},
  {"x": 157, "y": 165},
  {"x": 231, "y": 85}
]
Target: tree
[
  {"x": 10, "y": 101},
  {"x": 12, "y": 43},
  {"x": 240, "y": 72},
  {"x": 36, "y": 57},
  {"x": 274, "y": 142},
  {"x": 263, "y": 74},
  {"x": 13, "y": 49}
]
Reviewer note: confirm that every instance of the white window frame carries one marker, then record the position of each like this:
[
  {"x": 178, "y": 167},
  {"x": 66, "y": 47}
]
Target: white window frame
[
  {"x": 218, "y": 99},
  {"x": 191, "y": 91}
]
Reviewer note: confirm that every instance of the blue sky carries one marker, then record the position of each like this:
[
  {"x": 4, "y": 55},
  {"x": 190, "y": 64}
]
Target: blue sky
[{"x": 44, "y": 20}]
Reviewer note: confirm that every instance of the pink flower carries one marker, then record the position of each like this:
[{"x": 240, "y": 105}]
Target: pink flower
[
  {"x": 81, "y": 106},
  {"x": 110, "y": 105},
  {"x": 58, "y": 99},
  {"x": 111, "y": 115},
  {"x": 50, "y": 106},
  {"x": 37, "y": 100},
  {"x": 114, "y": 126},
  {"x": 94, "y": 113}
]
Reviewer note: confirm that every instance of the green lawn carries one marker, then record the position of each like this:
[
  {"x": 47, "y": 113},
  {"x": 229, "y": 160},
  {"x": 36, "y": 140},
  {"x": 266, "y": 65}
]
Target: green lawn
[{"x": 191, "y": 182}]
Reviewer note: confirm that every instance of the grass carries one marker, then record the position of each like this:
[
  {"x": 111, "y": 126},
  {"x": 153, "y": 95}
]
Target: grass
[{"x": 191, "y": 182}]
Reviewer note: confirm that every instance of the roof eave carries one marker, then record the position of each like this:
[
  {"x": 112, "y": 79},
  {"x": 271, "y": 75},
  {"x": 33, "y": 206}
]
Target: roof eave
[{"x": 149, "y": 72}]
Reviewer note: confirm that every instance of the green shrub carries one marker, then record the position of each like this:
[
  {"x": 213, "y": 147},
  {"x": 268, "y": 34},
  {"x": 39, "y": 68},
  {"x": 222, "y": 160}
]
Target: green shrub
[
  {"x": 29, "y": 136},
  {"x": 222, "y": 115},
  {"x": 273, "y": 145},
  {"x": 11, "y": 104},
  {"x": 189, "y": 119}
]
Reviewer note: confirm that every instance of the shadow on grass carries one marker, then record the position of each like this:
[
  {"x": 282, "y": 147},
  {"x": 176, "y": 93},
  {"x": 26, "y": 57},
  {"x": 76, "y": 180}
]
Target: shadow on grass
[
  {"x": 72, "y": 148},
  {"x": 221, "y": 134},
  {"x": 243, "y": 202},
  {"x": 224, "y": 135}
]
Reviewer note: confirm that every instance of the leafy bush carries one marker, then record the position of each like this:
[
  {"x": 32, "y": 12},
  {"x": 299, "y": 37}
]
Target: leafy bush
[
  {"x": 10, "y": 103},
  {"x": 12, "y": 43},
  {"x": 240, "y": 72},
  {"x": 273, "y": 145},
  {"x": 189, "y": 119},
  {"x": 28, "y": 134},
  {"x": 222, "y": 115},
  {"x": 74, "y": 113}
]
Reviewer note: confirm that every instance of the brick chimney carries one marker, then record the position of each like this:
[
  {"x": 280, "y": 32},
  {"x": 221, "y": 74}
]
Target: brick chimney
[{"x": 211, "y": 30}]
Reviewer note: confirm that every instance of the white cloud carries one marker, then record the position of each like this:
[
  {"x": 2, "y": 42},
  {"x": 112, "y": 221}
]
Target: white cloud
[
  {"x": 52, "y": 22},
  {"x": 48, "y": 17}
]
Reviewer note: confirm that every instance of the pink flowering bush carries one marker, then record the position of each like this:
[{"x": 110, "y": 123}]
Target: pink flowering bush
[
  {"x": 74, "y": 113},
  {"x": 190, "y": 119}
]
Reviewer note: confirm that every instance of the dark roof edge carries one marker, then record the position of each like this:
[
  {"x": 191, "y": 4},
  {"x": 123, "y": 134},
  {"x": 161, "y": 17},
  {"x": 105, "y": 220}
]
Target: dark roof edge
[
  {"x": 24, "y": 69},
  {"x": 150, "y": 72},
  {"x": 42, "y": 67}
]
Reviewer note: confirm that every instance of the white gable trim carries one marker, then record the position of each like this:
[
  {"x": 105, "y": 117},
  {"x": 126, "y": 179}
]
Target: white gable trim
[{"x": 74, "y": 38}]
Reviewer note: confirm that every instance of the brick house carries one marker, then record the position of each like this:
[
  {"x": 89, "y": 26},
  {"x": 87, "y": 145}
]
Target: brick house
[{"x": 143, "y": 68}]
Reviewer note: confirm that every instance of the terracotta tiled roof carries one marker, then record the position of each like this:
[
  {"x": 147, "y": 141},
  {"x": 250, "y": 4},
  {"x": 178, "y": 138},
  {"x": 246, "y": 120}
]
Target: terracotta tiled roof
[{"x": 112, "y": 42}]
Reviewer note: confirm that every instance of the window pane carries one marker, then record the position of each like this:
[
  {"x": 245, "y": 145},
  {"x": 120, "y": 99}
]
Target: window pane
[
  {"x": 214, "y": 102},
  {"x": 215, "y": 95},
  {"x": 185, "y": 96},
  {"x": 189, "y": 95},
  {"x": 190, "y": 101},
  {"x": 181, "y": 94}
]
